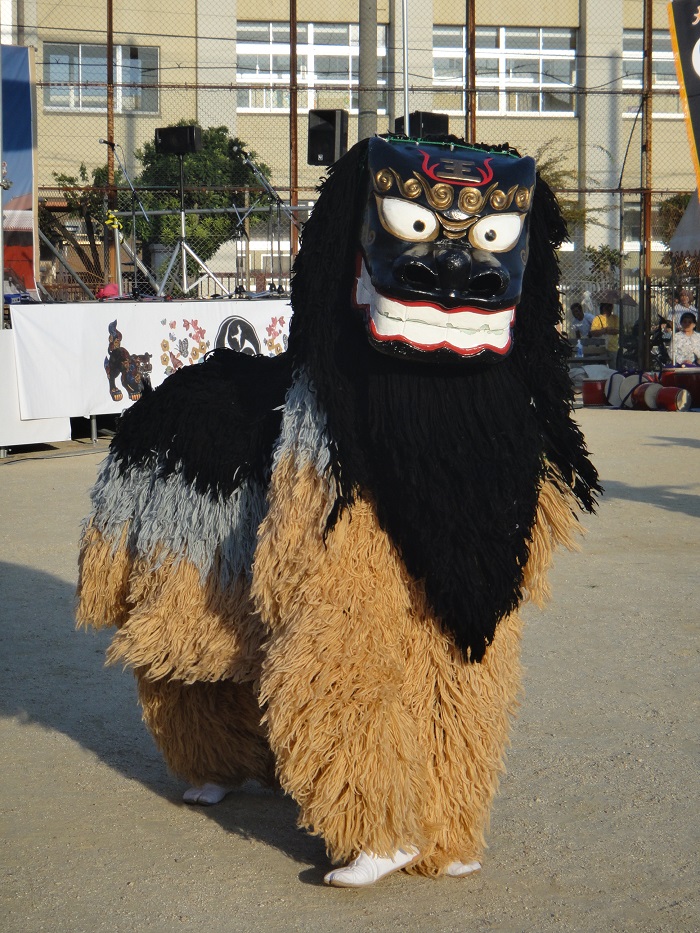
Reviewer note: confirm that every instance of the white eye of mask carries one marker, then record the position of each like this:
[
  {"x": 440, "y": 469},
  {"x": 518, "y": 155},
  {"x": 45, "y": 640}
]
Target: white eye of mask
[
  {"x": 496, "y": 233},
  {"x": 407, "y": 221}
]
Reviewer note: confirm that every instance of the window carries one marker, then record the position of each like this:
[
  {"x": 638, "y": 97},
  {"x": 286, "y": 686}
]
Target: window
[
  {"x": 518, "y": 69},
  {"x": 75, "y": 77},
  {"x": 327, "y": 65},
  {"x": 664, "y": 82}
]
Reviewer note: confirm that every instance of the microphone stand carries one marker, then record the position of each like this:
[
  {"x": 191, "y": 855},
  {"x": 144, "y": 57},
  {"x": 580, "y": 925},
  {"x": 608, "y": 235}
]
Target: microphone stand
[
  {"x": 134, "y": 198},
  {"x": 279, "y": 203}
]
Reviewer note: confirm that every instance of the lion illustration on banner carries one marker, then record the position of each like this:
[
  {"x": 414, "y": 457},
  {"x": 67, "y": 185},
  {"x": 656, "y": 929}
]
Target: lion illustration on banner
[{"x": 131, "y": 369}]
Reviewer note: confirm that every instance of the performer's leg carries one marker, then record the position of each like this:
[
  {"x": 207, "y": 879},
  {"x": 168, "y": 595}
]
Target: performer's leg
[
  {"x": 343, "y": 738},
  {"x": 464, "y": 711},
  {"x": 383, "y": 734},
  {"x": 208, "y": 732}
]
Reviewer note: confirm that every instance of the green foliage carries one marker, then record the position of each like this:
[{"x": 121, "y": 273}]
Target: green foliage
[
  {"x": 605, "y": 263},
  {"x": 84, "y": 198},
  {"x": 209, "y": 175},
  {"x": 670, "y": 212},
  {"x": 216, "y": 177},
  {"x": 553, "y": 164}
]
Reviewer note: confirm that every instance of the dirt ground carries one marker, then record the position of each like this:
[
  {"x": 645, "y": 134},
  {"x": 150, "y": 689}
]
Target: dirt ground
[{"x": 596, "y": 827}]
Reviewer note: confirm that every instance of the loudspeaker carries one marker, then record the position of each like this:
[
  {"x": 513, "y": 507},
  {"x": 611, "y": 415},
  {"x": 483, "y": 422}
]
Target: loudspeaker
[
  {"x": 178, "y": 140},
  {"x": 424, "y": 123},
  {"x": 328, "y": 136}
]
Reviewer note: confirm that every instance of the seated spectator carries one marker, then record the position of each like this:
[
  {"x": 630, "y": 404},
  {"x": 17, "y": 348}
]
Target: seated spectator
[
  {"x": 606, "y": 324},
  {"x": 683, "y": 304},
  {"x": 582, "y": 320},
  {"x": 686, "y": 343}
]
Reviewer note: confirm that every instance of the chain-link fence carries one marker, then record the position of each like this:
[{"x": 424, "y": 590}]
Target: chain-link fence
[{"x": 560, "y": 82}]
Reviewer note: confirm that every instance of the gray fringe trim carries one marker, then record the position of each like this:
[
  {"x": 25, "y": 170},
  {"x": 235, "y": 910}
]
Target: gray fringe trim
[
  {"x": 168, "y": 514},
  {"x": 304, "y": 433},
  {"x": 169, "y": 518}
]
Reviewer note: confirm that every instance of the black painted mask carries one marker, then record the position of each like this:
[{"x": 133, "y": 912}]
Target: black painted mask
[{"x": 443, "y": 248}]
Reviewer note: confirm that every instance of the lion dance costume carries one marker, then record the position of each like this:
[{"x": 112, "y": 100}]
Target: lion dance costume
[{"x": 315, "y": 561}]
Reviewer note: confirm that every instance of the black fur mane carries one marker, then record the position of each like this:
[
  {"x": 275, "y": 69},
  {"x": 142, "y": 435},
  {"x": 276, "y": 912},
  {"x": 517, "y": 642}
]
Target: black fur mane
[{"x": 452, "y": 455}]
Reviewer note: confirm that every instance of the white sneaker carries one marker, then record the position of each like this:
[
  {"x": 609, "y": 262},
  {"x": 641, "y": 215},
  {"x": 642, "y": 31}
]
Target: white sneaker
[
  {"x": 207, "y": 795},
  {"x": 460, "y": 869},
  {"x": 368, "y": 868}
]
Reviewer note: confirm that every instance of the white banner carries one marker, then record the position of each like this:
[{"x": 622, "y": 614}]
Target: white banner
[
  {"x": 88, "y": 358},
  {"x": 13, "y": 431}
]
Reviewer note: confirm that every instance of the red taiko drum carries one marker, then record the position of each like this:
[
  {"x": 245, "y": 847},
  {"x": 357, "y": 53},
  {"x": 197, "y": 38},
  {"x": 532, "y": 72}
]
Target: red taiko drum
[
  {"x": 671, "y": 398},
  {"x": 593, "y": 392},
  {"x": 668, "y": 376},
  {"x": 644, "y": 396},
  {"x": 688, "y": 377}
]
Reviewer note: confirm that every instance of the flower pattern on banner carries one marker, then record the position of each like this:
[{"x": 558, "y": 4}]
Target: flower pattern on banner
[
  {"x": 183, "y": 349},
  {"x": 276, "y": 341}
]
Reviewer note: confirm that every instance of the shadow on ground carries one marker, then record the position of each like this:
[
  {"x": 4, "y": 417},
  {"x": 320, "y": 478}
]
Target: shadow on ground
[
  {"x": 54, "y": 677},
  {"x": 663, "y": 495}
]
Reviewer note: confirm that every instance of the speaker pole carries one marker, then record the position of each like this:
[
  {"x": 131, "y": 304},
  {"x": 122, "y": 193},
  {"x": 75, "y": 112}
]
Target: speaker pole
[
  {"x": 404, "y": 25},
  {"x": 367, "y": 91},
  {"x": 183, "y": 231},
  {"x": 183, "y": 249},
  {"x": 293, "y": 126}
]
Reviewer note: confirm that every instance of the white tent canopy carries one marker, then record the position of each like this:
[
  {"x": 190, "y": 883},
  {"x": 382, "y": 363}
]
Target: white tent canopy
[{"x": 686, "y": 240}]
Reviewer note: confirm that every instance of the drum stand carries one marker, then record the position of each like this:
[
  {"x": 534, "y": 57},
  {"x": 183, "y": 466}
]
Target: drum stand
[{"x": 182, "y": 250}]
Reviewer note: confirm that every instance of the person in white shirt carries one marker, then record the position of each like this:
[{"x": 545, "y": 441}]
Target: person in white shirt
[
  {"x": 686, "y": 344},
  {"x": 682, "y": 304},
  {"x": 581, "y": 325}
]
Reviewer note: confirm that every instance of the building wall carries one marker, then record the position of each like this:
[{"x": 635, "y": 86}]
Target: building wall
[{"x": 600, "y": 143}]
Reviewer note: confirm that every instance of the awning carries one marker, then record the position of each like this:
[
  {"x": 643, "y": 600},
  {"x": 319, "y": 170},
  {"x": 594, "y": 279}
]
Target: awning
[{"x": 686, "y": 240}]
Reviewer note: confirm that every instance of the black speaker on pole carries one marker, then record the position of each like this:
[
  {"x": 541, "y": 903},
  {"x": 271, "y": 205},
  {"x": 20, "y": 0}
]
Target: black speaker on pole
[
  {"x": 328, "y": 136},
  {"x": 424, "y": 123},
  {"x": 178, "y": 140}
]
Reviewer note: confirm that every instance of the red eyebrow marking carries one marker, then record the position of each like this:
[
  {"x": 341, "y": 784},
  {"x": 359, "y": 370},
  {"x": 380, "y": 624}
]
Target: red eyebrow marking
[{"x": 486, "y": 174}]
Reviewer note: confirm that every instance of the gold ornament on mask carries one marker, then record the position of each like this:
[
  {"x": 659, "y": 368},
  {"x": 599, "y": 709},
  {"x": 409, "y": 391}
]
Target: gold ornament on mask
[
  {"x": 471, "y": 201},
  {"x": 383, "y": 180},
  {"x": 522, "y": 198},
  {"x": 501, "y": 200},
  {"x": 440, "y": 196}
]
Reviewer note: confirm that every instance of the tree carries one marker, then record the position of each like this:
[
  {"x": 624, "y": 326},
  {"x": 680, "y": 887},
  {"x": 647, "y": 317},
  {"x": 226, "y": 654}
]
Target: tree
[
  {"x": 670, "y": 212},
  {"x": 552, "y": 164},
  {"x": 86, "y": 200},
  {"x": 215, "y": 178},
  {"x": 605, "y": 264}
]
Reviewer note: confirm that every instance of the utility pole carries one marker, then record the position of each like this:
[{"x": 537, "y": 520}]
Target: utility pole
[
  {"x": 293, "y": 128},
  {"x": 470, "y": 73},
  {"x": 367, "y": 94},
  {"x": 111, "y": 191},
  {"x": 645, "y": 266}
]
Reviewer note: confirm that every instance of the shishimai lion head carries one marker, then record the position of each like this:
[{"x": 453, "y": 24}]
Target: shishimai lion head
[{"x": 443, "y": 248}]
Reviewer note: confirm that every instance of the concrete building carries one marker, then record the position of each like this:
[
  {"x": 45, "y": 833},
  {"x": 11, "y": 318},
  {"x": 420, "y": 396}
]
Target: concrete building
[{"x": 559, "y": 76}]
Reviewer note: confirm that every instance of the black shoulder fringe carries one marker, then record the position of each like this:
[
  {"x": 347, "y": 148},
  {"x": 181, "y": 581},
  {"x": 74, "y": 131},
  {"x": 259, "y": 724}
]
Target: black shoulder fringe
[
  {"x": 540, "y": 353},
  {"x": 451, "y": 455},
  {"x": 216, "y": 421}
]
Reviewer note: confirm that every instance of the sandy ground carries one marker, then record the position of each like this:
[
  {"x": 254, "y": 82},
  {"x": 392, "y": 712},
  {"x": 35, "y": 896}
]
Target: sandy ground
[{"x": 595, "y": 828}]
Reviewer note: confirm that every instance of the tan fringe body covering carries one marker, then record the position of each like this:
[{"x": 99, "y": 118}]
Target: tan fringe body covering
[{"x": 328, "y": 673}]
